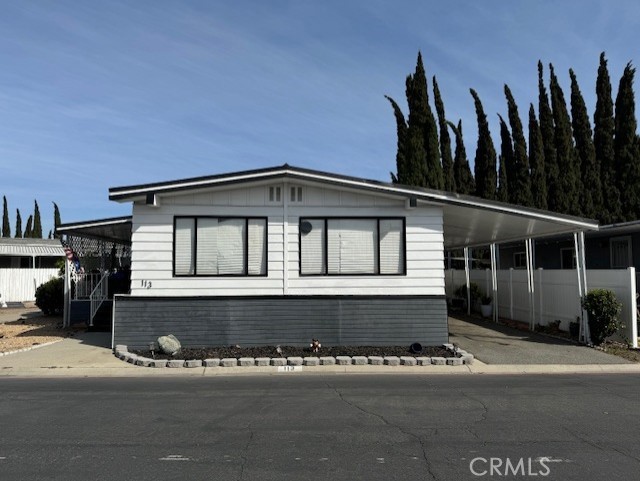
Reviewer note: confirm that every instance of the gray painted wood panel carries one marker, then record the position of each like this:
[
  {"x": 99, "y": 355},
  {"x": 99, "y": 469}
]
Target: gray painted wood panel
[{"x": 285, "y": 320}]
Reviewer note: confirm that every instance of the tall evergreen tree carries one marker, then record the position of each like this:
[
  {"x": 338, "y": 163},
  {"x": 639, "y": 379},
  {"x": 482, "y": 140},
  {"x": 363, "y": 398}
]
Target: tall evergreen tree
[
  {"x": 603, "y": 141},
  {"x": 463, "y": 178},
  {"x": 445, "y": 140},
  {"x": 423, "y": 124},
  {"x": 536, "y": 159},
  {"x": 56, "y": 220},
  {"x": 18, "y": 224},
  {"x": 591, "y": 194},
  {"x": 547, "y": 131},
  {"x": 567, "y": 159},
  {"x": 625, "y": 145},
  {"x": 506, "y": 170},
  {"x": 521, "y": 189},
  {"x": 485, "y": 161},
  {"x": 403, "y": 172},
  {"x": 28, "y": 229},
  {"x": 6, "y": 227},
  {"x": 37, "y": 222}
]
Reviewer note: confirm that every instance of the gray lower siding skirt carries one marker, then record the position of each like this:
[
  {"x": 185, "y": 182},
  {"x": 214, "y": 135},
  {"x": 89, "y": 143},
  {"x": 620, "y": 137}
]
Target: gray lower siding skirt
[{"x": 284, "y": 320}]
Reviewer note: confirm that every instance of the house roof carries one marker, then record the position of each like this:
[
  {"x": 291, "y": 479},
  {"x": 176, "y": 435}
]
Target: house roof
[
  {"x": 31, "y": 247},
  {"x": 468, "y": 221},
  {"x": 114, "y": 229}
]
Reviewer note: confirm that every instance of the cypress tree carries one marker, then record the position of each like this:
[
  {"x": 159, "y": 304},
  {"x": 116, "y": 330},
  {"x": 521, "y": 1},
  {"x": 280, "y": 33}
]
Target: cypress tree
[
  {"x": 570, "y": 181},
  {"x": 591, "y": 194},
  {"x": 416, "y": 154},
  {"x": 485, "y": 161},
  {"x": 422, "y": 124},
  {"x": 463, "y": 178},
  {"x": 37, "y": 222},
  {"x": 625, "y": 146},
  {"x": 403, "y": 173},
  {"x": 603, "y": 142},
  {"x": 445, "y": 141},
  {"x": 6, "y": 227},
  {"x": 56, "y": 220},
  {"x": 521, "y": 189},
  {"x": 506, "y": 174},
  {"x": 18, "y": 224},
  {"x": 548, "y": 141},
  {"x": 28, "y": 230},
  {"x": 536, "y": 159}
]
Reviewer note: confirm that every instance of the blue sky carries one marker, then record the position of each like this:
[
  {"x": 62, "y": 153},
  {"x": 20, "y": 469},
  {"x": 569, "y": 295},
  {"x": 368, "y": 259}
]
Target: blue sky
[{"x": 96, "y": 94}]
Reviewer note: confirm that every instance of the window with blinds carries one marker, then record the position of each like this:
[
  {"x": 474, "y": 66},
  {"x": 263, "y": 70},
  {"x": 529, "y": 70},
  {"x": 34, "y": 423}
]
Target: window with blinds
[
  {"x": 220, "y": 246},
  {"x": 352, "y": 246}
]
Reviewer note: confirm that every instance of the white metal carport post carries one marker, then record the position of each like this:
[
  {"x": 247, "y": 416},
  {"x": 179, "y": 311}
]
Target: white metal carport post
[
  {"x": 494, "y": 282},
  {"x": 466, "y": 277},
  {"x": 530, "y": 284},
  {"x": 581, "y": 270},
  {"x": 66, "y": 321}
]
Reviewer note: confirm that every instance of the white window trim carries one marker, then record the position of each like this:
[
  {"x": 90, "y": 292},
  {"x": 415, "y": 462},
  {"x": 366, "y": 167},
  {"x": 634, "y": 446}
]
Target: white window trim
[{"x": 626, "y": 238}]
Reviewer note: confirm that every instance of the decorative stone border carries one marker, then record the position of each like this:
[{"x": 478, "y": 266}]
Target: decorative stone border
[{"x": 462, "y": 357}]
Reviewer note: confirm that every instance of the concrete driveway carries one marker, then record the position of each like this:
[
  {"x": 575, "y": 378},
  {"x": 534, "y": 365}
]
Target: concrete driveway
[{"x": 496, "y": 344}]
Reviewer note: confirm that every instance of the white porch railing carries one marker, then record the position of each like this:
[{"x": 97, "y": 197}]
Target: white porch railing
[
  {"x": 99, "y": 294},
  {"x": 85, "y": 285}
]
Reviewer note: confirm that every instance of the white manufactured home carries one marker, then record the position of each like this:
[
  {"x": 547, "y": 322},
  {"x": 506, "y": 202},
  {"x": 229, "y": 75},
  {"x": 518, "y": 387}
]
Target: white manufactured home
[{"x": 283, "y": 255}]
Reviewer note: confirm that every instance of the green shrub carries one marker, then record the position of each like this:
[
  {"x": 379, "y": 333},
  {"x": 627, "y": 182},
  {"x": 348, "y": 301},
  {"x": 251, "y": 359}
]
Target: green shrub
[
  {"x": 50, "y": 296},
  {"x": 476, "y": 293},
  {"x": 603, "y": 308}
]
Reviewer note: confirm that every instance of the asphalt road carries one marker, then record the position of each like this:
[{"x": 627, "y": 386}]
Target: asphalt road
[{"x": 317, "y": 427}]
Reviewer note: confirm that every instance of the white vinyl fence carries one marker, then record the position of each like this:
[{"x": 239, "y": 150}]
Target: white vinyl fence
[
  {"x": 555, "y": 294},
  {"x": 19, "y": 285}
]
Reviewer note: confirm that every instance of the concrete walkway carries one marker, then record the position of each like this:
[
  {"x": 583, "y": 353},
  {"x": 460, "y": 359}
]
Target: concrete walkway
[{"x": 496, "y": 344}]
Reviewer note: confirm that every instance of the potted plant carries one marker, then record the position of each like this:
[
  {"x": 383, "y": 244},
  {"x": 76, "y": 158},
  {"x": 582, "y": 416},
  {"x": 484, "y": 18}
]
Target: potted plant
[{"x": 486, "y": 308}]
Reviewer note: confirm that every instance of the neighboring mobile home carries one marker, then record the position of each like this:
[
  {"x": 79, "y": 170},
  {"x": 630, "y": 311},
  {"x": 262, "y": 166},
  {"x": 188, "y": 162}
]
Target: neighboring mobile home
[
  {"x": 283, "y": 255},
  {"x": 25, "y": 264}
]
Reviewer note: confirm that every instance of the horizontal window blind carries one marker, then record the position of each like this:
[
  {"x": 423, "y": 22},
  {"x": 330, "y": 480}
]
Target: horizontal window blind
[
  {"x": 391, "y": 246},
  {"x": 312, "y": 246},
  {"x": 231, "y": 237},
  {"x": 185, "y": 238},
  {"x": 352, "y": 246},
  {"x": 257, "y": 247}
]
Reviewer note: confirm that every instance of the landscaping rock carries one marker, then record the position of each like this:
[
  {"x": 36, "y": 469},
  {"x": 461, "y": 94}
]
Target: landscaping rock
[
  {"x": 131, "y": 358},
  {"x": 143, "y": 361},
  {"x": 121, "y": 347},
  {"x": 439, "y": 361},
  {"x": 169, "y": 344},
  {"x": 295, "y": 361},
  {"x": 448, "y": 346},
  {"x": 246, "y": 361},
  {"x": 327, "y": 361},
  {"x": 122, "y": 355},
  {"x": 392, "y": 360},
  {"x": 214, "y": 362},
  {"x": 360, "y": 360},
  {"x": 408, "y": 361},
  {"x": 175, "y": 363},
  {"x": 376, "y": 360},
  {"x": 193, "y": 363},
  {"x": 278, "y": 361},
  {"x": 263, "y": 361},
  {"x": 454, "y": 361},
  {"x": 311, "y": 361},
  {"x": 229, "y": 362},
  {"x": 468, "y": 358},
  {"x": 159, "y": 363},
  {"x": 343, "y": 360},
  {"x": 423, "y": 361}
]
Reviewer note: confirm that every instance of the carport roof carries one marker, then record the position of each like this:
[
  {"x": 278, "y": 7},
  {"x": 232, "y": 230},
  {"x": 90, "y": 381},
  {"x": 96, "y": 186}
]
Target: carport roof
[
  {"x": 468, "y": 221},
  {"x": 114, "y": 229}
]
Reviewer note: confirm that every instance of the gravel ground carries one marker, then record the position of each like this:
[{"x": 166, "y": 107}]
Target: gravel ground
[
  {"x": 291, "y": 351},
  {"x": 26, "y": 327}
]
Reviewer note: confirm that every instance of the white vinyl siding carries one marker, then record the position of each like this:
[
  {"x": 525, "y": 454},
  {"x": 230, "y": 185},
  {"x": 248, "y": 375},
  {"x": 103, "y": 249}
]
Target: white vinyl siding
[
  {"x": 352, "y": 246},
  {"x": 185, "y": 239}
]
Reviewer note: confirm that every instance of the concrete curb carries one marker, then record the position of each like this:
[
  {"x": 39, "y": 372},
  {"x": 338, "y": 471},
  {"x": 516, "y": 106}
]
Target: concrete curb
[{"x": 461, "y": 358}]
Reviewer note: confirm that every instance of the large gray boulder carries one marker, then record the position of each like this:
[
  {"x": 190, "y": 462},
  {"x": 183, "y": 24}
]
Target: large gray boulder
[{"x": 169, "y": 344}]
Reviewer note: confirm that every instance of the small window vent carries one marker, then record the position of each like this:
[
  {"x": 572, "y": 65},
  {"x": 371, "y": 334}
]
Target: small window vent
[
  {"x": 275, "y": 194},
  {"x": 295, "y": 195}
]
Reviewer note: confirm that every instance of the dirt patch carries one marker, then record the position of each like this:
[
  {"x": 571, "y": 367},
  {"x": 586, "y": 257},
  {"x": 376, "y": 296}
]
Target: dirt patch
[
  {"x": 292, "y": 351},
  {"x": 621, "y": 350},
  {"x": 28, "y": 331}
]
